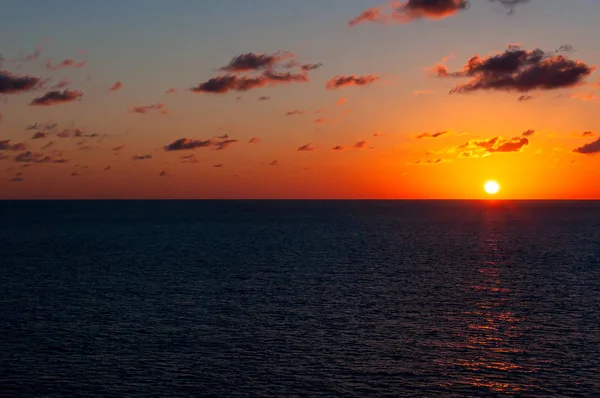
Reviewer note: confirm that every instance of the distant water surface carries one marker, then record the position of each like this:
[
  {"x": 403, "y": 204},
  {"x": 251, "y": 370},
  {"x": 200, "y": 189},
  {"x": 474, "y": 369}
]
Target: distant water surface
[{"x": 294, "y": 298}]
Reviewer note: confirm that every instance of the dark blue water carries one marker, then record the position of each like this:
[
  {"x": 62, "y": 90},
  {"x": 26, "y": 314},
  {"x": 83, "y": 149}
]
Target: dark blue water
[{"x": 276, "y": 298}]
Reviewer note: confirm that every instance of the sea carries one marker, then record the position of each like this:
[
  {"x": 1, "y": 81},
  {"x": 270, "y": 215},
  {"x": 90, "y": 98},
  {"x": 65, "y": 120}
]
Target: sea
[{"x": 299, "y": 298}]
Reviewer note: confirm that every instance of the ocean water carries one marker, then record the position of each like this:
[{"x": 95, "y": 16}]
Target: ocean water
[{"x": 292, "y": 298}]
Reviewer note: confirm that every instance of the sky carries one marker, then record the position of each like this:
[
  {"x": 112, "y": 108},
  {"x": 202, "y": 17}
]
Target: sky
[{"x": 337, "y": 99}]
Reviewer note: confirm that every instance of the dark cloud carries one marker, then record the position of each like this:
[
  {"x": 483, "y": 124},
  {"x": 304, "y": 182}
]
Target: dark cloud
[
  {"x": 254, "y": 140},
  {"x": 162, "y": 174},
  {"x": 37, "y": 157},
  {"x": 309, "y": 67},
  {"x": 218, "y": 165},
  {"x": 116, "y": 86},
  {"x": 432, "y": 9},
  {"x": 528, "y": 133},
  {"x": 253, "y": 61},
  {"x": 343, "y": 81},
  {"x": 107, "y": 168},
  {"x": 497, "y": 144},
  {"x": 429, "y": 161},
  {"x": 144, "y": 109},
  {"x": 338, "y": 148},
  {"x": 6, "y": 145},
  {"x": 141, "y": 157},
  {"x": 186, "y": 144},
  {"x": 519, "y": 70},
  {"x": 264, "y": 98},
  {"x": 39, "y": 135},
  {"x": 587, "y": 134},
  {"x": 57, "y": 97},
  {"x": 295, "y": 112},
  {"x": 274, "y": 163},
  {"x": 360, "y": 145},
  {"x": 224, "y": 84},
  {"x": 525, "y": 97},
  {"x": 189, "y": 159},
  {"x": 223, "y": 144},
  {"x": 306, "y": 148},
  {"x": 66, "y": 63},
  {"x": 589, "y": 149},
  {"x": 16, "y": 179},
  {"x": 431, "y": 135},
  {"x": 13, "y": 84}
]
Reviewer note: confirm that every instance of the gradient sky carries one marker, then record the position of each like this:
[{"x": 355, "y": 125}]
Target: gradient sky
[{"x": 95, "y": 145}]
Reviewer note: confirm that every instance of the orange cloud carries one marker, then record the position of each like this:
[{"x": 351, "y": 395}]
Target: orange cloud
[
  {"x": 144, "y": 109},
  {"x": 306, "y": 148},
  {"x": 116, "y": 86},
  {"x": 66, "y": 63}
]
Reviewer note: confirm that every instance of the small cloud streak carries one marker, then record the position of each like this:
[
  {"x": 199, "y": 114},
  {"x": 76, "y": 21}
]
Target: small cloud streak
[
  {"x": 254, "y": 140},
  {"x": 352, "y": 80},
  {"x": 115, "y": 87},
  {"x": 141, "y": 157},
  {"x": 57, "y": 98},
  {"x": 66, "y": 63},
  {"x": 360, "y": 145},
  {"x": 306, "y": 148},
  {"x": 145, "y": 109},
  {"x": 431, "y": 135},
  {"x": 295, "y": 112},
  {"x": 338, "y": 148},
  {"x": 528, "y": 133}
]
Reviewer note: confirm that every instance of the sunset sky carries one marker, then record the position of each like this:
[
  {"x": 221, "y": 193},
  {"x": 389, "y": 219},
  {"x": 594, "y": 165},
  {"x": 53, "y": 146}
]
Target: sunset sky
[{"x": 299, "y": 99}]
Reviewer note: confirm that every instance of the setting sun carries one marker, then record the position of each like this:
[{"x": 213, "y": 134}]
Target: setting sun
[{"x": 491, "y": 187}]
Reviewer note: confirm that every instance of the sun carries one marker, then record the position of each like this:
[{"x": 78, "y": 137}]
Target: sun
[{"x": 491, "y": 187}]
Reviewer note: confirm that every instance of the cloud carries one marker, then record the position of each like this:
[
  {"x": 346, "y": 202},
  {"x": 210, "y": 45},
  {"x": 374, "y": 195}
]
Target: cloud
[
  {"x": 518, "y": 70},
  {"x": 39, "y": 135},
  {"x": 497, "y": 144},
  {"x": 16, "y": 179},
  {"x": 360, "y": 145},
  {"x": 116, "y": 86},
  {"x": 352, "y": 80},
  {"x": 589, "y": 149},
  {"x": 528, "y": 133},
  {"x": 37, "y": 157},
  {"x": 254, "y": 61},
  {"x": 432, "y": 9},
  {"x": 48, "y": 145},
  {"x": 306, "y": 148},
  {"x": 13, "y": 84},
  {"x": 162, "y": 174},
  {"x": 66, "y": 63},
  {"x": 431, "y": 135},
  {"x": 295, "y": 112},
  {"x": 585, "y": 96},
  {"x": 341, "y": 101},
  {"x": 525, "y": 97},
  {"x": 189, "y": 159},
  {"x": 337, "y": 148},
  {"x": 144, "y": 109},
  {"x": 224, "y": 84},
  {"x": 6, "y": 145},
  {"x": 107, "y": 168},
  {"x": 431, "y": 161},
  {"x": 171, "y": 91},
  {"x": 319, "y": 120},
  {"x": 310, "y": 67},
  {"x": 219, "y": 165},
  {"x": 254, "y": 140},
  {"x": 264, "y": 98},
  {"x": 273, "y": 163},
  {"x": 587, "y": 134},
  {"x": 118, "y": 148},
  {"x": 369, "y": 15},
  {"x": 56, "y": 97},
  {"x": 187, "y": 144},
  {"x": 141, "y": 157}
]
